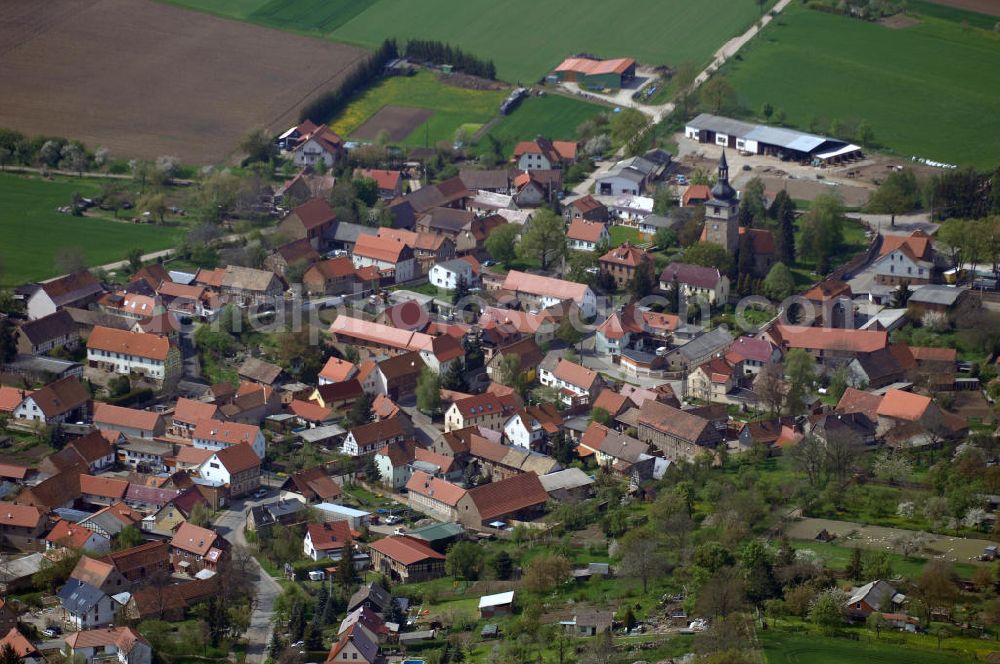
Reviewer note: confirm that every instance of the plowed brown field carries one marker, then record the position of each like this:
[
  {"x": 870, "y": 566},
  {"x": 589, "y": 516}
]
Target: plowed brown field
[{"x": 147, "y": 79}]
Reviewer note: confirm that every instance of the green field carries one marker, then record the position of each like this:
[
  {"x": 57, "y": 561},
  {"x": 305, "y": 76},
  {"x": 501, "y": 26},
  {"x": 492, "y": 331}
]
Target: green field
[
  {"x": 787, "y": 648},
  {"x": 525, "y": 38},
  {"x": 931, "y": 90},
  {"x": 452, "y": 106},
  {"x": 32, "y": 231},
  {"x": 554, "y": 116}
]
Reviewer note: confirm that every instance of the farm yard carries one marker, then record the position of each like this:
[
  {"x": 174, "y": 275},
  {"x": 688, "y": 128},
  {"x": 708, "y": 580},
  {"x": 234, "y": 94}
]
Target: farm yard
[
  {"x": 654, "y": 32},
  {"x": 929, "y": 89},
  {"x": 70, "y": 83},
  {"x": 33, "y": 231}
]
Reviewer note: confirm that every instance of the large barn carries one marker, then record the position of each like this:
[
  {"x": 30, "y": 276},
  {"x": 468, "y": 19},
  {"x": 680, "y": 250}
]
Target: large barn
[
  {"x": 787, "y": 144},
  {"x": 596, "y": 74}
]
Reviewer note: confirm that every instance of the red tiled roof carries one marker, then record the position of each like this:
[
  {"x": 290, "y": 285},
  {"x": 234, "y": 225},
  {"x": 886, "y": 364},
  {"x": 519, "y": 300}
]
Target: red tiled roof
[
  {"x": 379, "y": 249},
  {"x": 478, "y": 405},
  {"x": 930, "y": 354},
  {"x": 329, "y": 535},
  {"x": 336, "y": 370},
  {"x": 901, "y": 405},
  {"x": 104, "y": 487},
  {"x": 226, "y": 432},
  {"x": 191, "y": 411},
  {"x": 586, "y": 231},
  {"x": 859, "y": 401},
  {"x": 918, "y": 243},
  {"x": 537, "y": 284},
  {"x": 507, "y": 496},
  {"x": 314, "y": 213},
  {"x": 11, "y": 398},
  {"x": 372, "y": 432},
  {"x": 193, "y": 539},
  {"x": 591, "y": 67},
  {"x": 117, "y": 417},
  {"x": 627, "y": 255},
  {"x": 691, "y": 275},
  {"x": 384, "y": 179},
  {"x": 307, "y": 410},
  {"x": 829, "y": 289},
  {"x": 61, "y": 396},
  {"x": 423, "y": 484},
  {"x": 405, "y": 550},
  {"x": 68, "y": 534},
  {"x": 696, "y": 192},
  {"x": 18, "y": 642},
  {"x": 575, "y": 374},
  {"x": 133, "y": 343},
  {"x": 828, "y": 338},
  {"x": 751, "y": 348},
  {"x": 238, "y": 458},
  {"x": 21, "y": 516}
]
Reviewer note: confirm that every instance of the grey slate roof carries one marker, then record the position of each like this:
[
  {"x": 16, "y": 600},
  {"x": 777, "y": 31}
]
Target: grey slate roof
[
  {"x": 707, "y": 343},
  {"x": 934, "y": 294},
  {"x": 79, "y": 597}
]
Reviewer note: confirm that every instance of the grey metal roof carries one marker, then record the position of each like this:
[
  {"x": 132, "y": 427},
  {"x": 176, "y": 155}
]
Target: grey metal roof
[
  {"x": 571, "y": 478},
  {"x": 622, "y": 172},
  {"x": 706, "y": 343},
  {"x": 455, "y": 265},
  {"x": 437, "y": 531},
  {"x": 322, "y": 433},
  {"x": 658, "y": 221},
  {"x": 721, "y": 125},
  {"x": 934, "y": 294},
  {"x": 345, "y": 231},
  {"x": 786, "y": 138}
]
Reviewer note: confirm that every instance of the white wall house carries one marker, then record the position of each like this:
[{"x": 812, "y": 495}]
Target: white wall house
[
  {"x": 523, "y": 431},
  {"x": 87, "y": 607},
  {"x": 313, "y": 151},
  {"x": 125, "y": 352},
  {"x": 217, "y": 435},
  {"x": 446, "y": 275},
  {"x": 395, "y": 472},
  {"x": 117, "y": 643}
]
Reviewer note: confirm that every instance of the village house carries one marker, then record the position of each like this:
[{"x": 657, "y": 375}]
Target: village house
[
  {"x": 544, "y": 154},
  {"x": 393, "y": 259},
  {"x": 247, "y": 286},
  {"x": 428, "y": 248},
  {"x": 712, "y": 381},
  {"x": 568, "y": 486},
  {"x": 622, "y": 263},
  {"x": 587, "y": 208},
  {"x": 449, "y": 274},
  {"x": 141, "y": 564},
  {"x": 22, "y": 647},
  {"x": 22, "y": 527},
  {"x": 193, "y": 548},
  {"x": 405, "y": 559},
  {"x": 905, "y": 259},
  {"x": 530, "y": 427},
  {"x": 41, "y": 335},
  {"x": 753, "y": 353},
  {"x": 64, "y": 400},
  {"x": 78, "y": 289},
  {"x": 368, "y": 439},
  {"x": 390, "y": 183},
  {"x": 396, "y": 377},
  {"x": 528, "y": 353},
  {"x": 336, "y": 370},
  {"x": 355, "y": 646},
  {"x": 334, "y": 276},
  {"x": 236, "y": 467},
  {"x": 696, "y": 282},
  {"x": 521, "y": 497},
  {"x": 216, "y": 435},
  {"x": 124, "y": 644},
  {"x": 319, "y": 144},
  {"x": 95, "y": 449},
  {"x": 65, "y": 534},
  {"x": 130, "y": 422},
  {"x": 434, "y": 497},
  {"x": 485, "y": 410},
  {"x": 187, "y": 413},
  {"x": 629, "y": 176},
  {"x": 620, "y": 454},
  {"x": 540, "y": 292},
  {"x": 394, "y": 463},
  {"x": 102, "y": 491},
  {"x": 437, "y": 352},
  {"x": 576, "y": 383},
  {"x": 87, "y": 607},
  {"x": 326, "y": 540},
  {"x": 938, "y": 298},
  {"x": 586, "y": 235},
  {"x": 875, "y": 596},
  {"x": 826, "y": 343},
  {"x": 493, "y": 460},
  {"x": 678, "y": 434},
  {"x": 134, "y": 353},
  {"x": 296, "y": 252},
  {"x": 100, "y": 574},
  {"x": 312, "y": 485}
]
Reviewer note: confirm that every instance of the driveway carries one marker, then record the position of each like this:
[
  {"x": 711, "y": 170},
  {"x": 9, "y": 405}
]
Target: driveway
[{"x": 230, "y": 525}]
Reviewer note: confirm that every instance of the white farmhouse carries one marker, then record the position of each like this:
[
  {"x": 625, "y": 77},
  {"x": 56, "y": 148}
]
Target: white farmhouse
[
  {"x": 446, "y": 275},
  {"x": 217, "y": 435},
  {"x": 123, "y": 352}
]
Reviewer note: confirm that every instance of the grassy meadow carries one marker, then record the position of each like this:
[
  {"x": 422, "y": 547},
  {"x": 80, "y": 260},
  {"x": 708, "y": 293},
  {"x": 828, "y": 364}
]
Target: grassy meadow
[
  {"x": 32, "y": 230},
  {"x": 525, "y": 39},
  {"x": 554, "y": 116},
  {"x": 931, "y": 89}
]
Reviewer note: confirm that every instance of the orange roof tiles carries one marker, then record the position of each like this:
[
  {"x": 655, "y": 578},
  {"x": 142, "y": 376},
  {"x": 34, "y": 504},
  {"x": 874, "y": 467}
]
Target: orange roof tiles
[
  {"x": 586, "y": 231},
  {"x": 575, "y": 374},
  {"x": 379, "y": 249},
  {"x": 193, "y": 539},
  {"x": 132, "y": 343},
  {"x": 405, "y": 550},
  {"x": 119, "y": 417},
  {"x": 590, "y": 67},
  {"x": 104, "y": 487},
  {"x": 11, "y": 398},
  {"x": 859, "y": 401},
  {"x": 337, "y": 370},
  {"x": 20, "y": 516},
  {"x": 901, "y": 405},
  {"x": 918, "y": 243},
  {"x": 423, "y": 484},
  {"x": 833, "y": 339},
  {"x": 627, "y": 255},
  {"x": 329, "y": 535},
  {"x": 497, "y": 499}
]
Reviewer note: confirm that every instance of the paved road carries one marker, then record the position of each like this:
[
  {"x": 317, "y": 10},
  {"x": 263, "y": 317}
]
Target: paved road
[
  {"x": 424, "y": 429},
  {"x": 230, "y": 525}
]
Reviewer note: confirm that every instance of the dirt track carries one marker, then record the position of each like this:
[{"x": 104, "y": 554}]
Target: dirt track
[{"x": 146, "y": 79}]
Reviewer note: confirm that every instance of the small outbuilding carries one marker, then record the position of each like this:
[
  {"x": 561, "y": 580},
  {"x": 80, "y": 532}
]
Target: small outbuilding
[{"x": 501, "y": 604}]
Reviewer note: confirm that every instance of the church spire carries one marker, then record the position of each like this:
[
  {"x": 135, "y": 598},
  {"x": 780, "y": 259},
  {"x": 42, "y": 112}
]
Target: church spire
[{"x": 722, "y": 191}]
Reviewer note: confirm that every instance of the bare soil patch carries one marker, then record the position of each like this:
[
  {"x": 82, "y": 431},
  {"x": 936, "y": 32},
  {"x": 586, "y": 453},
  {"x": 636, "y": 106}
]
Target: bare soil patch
[
  {"x": 988, "y": 7},
  {"x": 472, "y": 82},
  {"x": 146, "y": 79},
  {"x": 899, "y": 22},
  {"x": 397, "y": 121}
]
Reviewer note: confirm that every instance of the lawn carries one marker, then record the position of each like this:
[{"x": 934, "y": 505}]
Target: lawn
[
  {"x": 839, "y": 557},
  {"x": 525, "y": 39},
  {"x": 622, "y": 234},
  {"x": 931, "y": 90},
  {"x": 453, "y": 106},
  {"x": 554, "y": 116},
  {"x": 782, "y": 647},
  {"x": 33, "y": 231}
]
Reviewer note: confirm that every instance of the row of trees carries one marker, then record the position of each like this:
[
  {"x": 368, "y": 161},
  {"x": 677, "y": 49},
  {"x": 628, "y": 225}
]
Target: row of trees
[
  {"x": 442, "y": 53},
  {"x": 329, "y": 103}
]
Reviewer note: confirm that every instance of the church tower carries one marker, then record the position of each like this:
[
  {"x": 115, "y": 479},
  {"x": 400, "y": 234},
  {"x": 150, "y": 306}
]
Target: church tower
[{"x": 722, "y": 212}]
